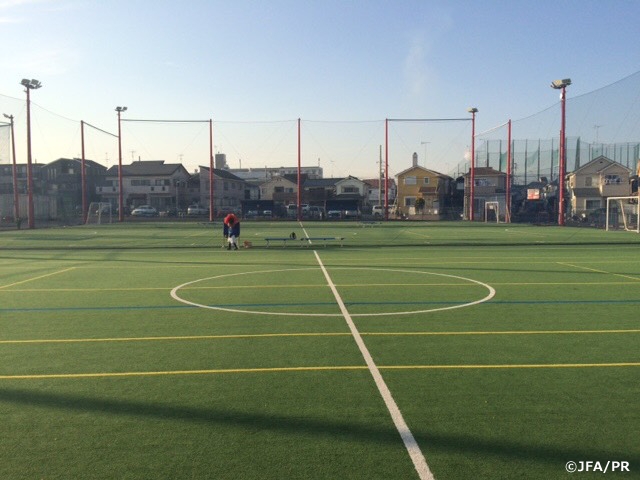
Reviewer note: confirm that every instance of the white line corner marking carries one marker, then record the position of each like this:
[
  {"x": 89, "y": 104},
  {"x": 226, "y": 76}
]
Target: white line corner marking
[{"x": 410, "y": 443}]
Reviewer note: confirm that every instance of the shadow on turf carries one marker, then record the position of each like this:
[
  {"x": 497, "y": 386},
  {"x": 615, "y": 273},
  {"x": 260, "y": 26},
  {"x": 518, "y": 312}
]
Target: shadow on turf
[{"x": 429, "y": 442}]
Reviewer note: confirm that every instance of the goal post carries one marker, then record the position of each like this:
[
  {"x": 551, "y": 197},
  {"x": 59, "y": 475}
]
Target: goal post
[
  {"x": 623, "y": 213},
  {"x": 492, "y": 212},
  {"x": 99, "y": 213}
]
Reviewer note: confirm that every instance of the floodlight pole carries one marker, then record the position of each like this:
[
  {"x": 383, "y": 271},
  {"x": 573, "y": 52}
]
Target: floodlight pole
[
  {"x": 29, "y": 85},
  {"x": 472, "y": 176},
  {"x": 14, "y": 172},
  {"x": 562, "y": 167},
  {"x": 120, "y": 189}
]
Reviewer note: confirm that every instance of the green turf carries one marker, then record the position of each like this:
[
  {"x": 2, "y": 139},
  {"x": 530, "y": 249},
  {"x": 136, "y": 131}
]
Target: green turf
[{"x": 510, "y": 350}]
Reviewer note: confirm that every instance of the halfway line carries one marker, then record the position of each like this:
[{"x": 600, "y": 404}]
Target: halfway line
[{"x": 410, "y": 443}]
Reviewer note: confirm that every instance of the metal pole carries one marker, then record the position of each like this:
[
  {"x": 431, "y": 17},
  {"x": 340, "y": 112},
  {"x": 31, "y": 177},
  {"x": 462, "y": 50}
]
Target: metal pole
[
  {"x": 507, "y": 217},
  {"x": 29, "y": 167},
  {"x": 83, "y": 175},
  {"x": 386, "y": 170},
  {"x": 120, "y": 189},
  {"x": 563, "y": 160},
  {"x": 472, "y": 177},
  {"x": 212, "y": 178},
  {"x": 299, "y": 197}
]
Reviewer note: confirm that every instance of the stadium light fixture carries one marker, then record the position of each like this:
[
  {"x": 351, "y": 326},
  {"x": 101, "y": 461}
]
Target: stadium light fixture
[
  {"x": 560, "y": 84},
  {"x": 562, "y": 167},
  {"x": 29, "y": 85},
  {"x": 120, "y": 192},
  {"x": 472, "y": 176}
]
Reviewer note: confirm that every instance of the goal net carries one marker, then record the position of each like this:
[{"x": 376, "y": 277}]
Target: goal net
[
  {"x": 99, "y": 213},
  {"x": 622, "y": 214}
]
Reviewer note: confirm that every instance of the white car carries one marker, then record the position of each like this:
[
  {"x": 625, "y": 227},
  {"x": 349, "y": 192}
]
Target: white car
[
  {"x": 196, "y": 211},
  {"x": 144, "y": 211}
]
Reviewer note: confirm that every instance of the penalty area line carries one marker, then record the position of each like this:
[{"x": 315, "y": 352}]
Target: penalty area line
[{"x": 417, "y": 457}]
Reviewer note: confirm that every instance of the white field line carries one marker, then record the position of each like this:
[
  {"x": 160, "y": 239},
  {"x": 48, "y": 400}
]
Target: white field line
[
  {"x": 410, "y": 443},
  {"x": 305, "y": 233}
]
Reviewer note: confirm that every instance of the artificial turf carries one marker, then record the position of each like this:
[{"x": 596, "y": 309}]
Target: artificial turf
[{"x": 249, "y": 370}]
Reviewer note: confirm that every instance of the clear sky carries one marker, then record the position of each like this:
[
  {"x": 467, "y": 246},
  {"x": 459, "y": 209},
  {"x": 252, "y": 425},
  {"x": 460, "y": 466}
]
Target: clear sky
[{"x": 255, "y": 67}]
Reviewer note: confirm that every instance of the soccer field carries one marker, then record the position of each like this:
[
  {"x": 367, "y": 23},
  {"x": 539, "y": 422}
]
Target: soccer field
[{"x": 399, "y": 351}]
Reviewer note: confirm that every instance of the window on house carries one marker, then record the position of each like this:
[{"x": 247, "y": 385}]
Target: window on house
[
  {"x": 278, "y": 190},
  {"x": 409, "y": 201},
  {"x": 483, "y": 182},
  {"x": 410, "y": 180},
  {"x": 593, "y": 204},
  {"x": 588, "y": 181},
  {"x": 612, "y": 180},
  {"x": 426, "y": 180},
  {"x": 350, "y": 189}
]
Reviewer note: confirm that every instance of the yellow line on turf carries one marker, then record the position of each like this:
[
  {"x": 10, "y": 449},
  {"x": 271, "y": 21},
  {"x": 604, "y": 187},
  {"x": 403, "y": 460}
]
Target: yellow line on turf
[
  {"x": 36, "y": 278},
  {"x": 308, "y": 369},
  {"x": 178, "y": 372},
  {"x": 600, "y": 271},
  {"x": 316, "y": 334},
  {"x": 522, "y": 365},
  {"x": 344, "y": 285},
  {"x": 186, "y": 337}
]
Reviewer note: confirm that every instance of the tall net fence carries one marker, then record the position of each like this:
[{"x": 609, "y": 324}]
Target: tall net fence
[
  {"x": 605, "y": 122},
  {"x": 6, "y": 175}
]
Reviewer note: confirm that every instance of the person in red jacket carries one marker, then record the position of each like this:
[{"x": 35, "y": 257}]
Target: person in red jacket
[{"x": 231, "y": 231}]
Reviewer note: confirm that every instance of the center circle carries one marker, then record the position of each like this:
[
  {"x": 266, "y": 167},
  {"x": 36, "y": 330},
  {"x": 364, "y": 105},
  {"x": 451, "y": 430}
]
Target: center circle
[{"x": 491, "y": 293}]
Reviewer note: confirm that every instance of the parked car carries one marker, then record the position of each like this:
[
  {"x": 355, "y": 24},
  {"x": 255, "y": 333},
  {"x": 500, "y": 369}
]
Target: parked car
[
  {"x": 197, "y": 211},
  {"x": 378, "y": 210},
  {"x": 351, "y": 213},
  {"x": 144, "y": 211},
  {"x": 334, "y": 214}
]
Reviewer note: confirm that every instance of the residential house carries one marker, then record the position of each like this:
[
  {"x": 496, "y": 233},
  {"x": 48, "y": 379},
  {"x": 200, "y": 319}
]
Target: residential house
[
  {"x": 374, "y": 195},
  {"x": 591, "y": 184},
  {"x": 281, "y": 189},
  {"x": 147, "y": 182},
  {"x": 431, "y": 186},
  {"x": 62, "y": 180},
  {"x": 489, "y": 186},
  {"x": 228, "y": 190},
  {"x": 335, "y": 193},
  {"x": 42, "y": 206}
]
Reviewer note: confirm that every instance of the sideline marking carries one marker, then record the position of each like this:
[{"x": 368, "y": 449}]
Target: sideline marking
[
  {"x": 36, "y": 278},
  {"x": 315, "y": 334},
  {"x": 53, "y": 376},
  {"x": 186, "y": 286},
  {"x": 419, "y": 462}
]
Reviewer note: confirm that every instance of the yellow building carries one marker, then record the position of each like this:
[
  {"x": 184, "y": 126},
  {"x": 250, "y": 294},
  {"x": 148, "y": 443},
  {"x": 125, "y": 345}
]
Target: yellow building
[{"x": 419, "y": 182}]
